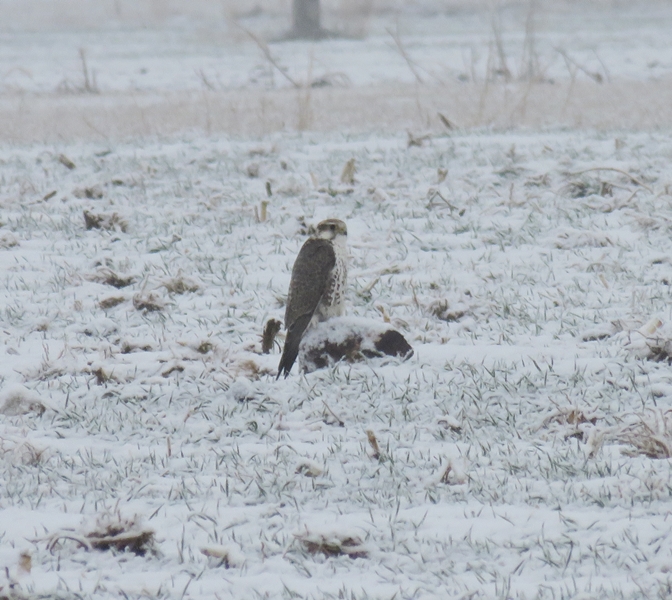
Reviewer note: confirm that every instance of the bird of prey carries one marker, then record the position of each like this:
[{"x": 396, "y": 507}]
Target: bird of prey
[{"x": 317, "y": 287}]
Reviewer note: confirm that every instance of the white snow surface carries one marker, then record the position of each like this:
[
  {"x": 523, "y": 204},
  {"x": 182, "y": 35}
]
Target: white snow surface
[
  {"x": 339, "y": 329},
  {"x": 530, "y": 284}
]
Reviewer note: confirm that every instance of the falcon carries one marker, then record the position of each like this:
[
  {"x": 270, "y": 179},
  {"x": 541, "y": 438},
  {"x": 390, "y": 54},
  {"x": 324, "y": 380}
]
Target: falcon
[{"x": 317, "y": 286}]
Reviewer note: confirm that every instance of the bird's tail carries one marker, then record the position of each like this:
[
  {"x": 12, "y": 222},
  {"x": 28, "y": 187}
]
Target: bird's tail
[{"x": 292, "y": 342}]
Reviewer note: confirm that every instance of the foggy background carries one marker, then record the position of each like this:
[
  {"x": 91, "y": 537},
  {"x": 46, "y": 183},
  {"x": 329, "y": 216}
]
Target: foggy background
[
  {"x": 49, "y": 15},
  {"x": 120, "y": 68}
]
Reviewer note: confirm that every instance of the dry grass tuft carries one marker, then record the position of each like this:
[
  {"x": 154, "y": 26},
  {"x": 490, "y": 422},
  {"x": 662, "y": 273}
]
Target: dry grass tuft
[
  {"x": 109, "y": 277},
  {"x": 148, "y": 302},
  {"x": 111, "y": 302},
  {"x": 8, "y": 240},
  {"x": 27, "y": 455},
  {"x": 25, "y": 562},
  {"x": 181, "y": 285},
  {"x": 101, "y": 376},
  {"x": 450, "y": 423},
  {"x": 261, "y": 216},
  {"x": 572, "y": 423},
  {"x": 417, "y": 140},
  {"x": 570, "y": 416},
  {"x": 224, "y": 556},
  {"x": 271, "y": 329},
  {"x": 453, "y": 474},
  {"x": 105, "y": 221},
  {"x": 581, "y": 188},
  {"x": 173, "y": 369},
  {"x": 90, "y": 193},
  {"x": 139, "y": 542},
  {"x": 652, "y": 439},
  {"x": 348, "y": 173},
  {"x": 309, "y": 469},
  {"x": 129, "y": 347},
  {"x": 120, "y": 535},
  {"x": 660, "y": 351},
  {"x": 373, "y": 442},
  {"x": 204, "y": 347},
  {"x": 65, "y": 161},
  {"x": 306, "y": 116},
  {"x": 333, "y": 545},
  {"x": 250, "y": 369},
  {"x": 42, "y": 326},
  {"x": 19, "y": 403},
  {"x": 252, "y": 170},
  {"x": 442, "y": 310}
]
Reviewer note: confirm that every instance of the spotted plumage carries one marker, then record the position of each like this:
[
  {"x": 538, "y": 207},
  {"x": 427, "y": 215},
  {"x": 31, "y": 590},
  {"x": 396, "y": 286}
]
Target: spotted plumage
[{"x": 317, "y": 287}]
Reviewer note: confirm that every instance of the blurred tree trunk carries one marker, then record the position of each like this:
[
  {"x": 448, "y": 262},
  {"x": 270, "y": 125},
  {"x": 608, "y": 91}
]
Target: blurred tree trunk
[{"x": 306, "y": 19}]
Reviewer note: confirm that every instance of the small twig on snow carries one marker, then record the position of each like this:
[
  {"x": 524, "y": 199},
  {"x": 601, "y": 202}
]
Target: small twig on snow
[
  {"x": 341, "y": 423},
  {"x": 404, "y": 54},
  {"x": 596, "y": 77},
  {"x": 263, "y": 46}
]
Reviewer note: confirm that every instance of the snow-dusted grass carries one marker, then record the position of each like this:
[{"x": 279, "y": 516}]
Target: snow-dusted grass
[{"x": 513, "y": 451}]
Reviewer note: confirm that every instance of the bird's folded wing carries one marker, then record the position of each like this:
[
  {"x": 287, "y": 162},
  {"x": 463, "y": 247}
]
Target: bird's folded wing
[{"x": 310, "y": 277}]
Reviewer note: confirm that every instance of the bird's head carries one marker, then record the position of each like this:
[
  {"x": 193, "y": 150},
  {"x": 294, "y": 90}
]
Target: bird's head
[{"x": 330, "y": 229}]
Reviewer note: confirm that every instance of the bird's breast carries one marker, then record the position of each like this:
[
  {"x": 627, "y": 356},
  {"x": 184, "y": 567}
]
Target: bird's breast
[{"x": 333, "y": 300}]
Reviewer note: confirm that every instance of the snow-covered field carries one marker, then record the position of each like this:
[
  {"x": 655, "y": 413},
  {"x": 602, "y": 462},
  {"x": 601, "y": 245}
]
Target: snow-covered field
[
  {"x": 147, "y": 451},
  {"x": 509, "y": 460}
]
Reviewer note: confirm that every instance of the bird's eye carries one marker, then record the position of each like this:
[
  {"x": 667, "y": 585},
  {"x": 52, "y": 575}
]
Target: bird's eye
[{"x": 332, "y": 227}]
